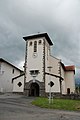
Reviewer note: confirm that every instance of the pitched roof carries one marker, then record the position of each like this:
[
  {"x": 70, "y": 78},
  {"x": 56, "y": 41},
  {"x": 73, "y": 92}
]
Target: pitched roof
[
  {"x": 38, "y": 36},
  {"x": 70, "y": 68},
  {"x": 2, "y": 60}
]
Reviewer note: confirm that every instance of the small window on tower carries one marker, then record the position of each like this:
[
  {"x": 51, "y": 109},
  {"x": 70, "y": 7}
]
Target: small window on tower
[
  {"x": 35, "y": 46},
  {"x": 40, "y": 42},
  {"x": 30, "y": 44}
]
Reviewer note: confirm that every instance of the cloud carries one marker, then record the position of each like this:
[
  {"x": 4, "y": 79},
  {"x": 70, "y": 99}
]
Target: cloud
[{"x": 59, "y": 18}]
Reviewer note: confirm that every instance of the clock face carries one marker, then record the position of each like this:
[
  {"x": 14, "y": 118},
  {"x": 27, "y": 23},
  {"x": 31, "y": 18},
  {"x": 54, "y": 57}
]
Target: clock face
[{"x": 34, "y": 55}]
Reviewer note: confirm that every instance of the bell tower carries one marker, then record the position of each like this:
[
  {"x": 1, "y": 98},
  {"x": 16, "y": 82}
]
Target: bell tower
[{"x": 36, "y": 58}]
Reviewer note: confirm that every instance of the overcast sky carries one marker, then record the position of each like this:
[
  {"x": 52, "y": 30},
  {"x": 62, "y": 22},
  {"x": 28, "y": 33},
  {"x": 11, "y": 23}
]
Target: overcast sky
[{"x": 59, "y": 18}]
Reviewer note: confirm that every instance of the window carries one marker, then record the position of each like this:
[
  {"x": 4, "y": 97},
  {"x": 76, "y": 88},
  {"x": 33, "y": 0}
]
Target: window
[
  {"x": 0, "y": 67},
  {"x": 30, "y": 43},
  {"x": 39, "y": 42},
  {"x": 19, "y": 84},
  {"x": 35, "y": 46},
  {"x": 34, "y": 72},
  {"x": 13, "y": 71},
  {"x": 1, "y": 71}
]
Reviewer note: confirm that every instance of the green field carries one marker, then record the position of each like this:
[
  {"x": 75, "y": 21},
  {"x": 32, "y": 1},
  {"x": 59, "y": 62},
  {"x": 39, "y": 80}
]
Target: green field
[{"x": 61, "y": 104}]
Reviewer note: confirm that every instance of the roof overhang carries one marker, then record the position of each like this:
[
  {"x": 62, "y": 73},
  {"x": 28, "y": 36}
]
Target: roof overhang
[
  {"x": 39, "y": 36},
  {"x": 68, "y": 68},
  {"x": 2, "y": 60}
]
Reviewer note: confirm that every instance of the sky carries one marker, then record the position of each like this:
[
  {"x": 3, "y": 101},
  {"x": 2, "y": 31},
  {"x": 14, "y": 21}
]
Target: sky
[{"x": 59, "y": 18}]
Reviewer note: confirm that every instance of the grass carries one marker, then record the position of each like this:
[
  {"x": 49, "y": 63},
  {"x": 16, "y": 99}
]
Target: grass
[{"x": 61, "y": 104}]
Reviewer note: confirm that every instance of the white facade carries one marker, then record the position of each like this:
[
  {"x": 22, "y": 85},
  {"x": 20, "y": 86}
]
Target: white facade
[
  {"x": 55, "y": 88},
  {"x": 41, "y": 68},
  {"x": 34, "y": 60},
  {"x": 7, "y": 72},
  {"x": 38, "y": 58},
  {"x": 69, "y": 82},
  {"x": 18, "y": 84},
  {"x": 54, "y": 77}
]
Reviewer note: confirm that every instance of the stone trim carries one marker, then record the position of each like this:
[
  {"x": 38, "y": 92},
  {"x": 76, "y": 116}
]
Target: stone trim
[
  {"x": 44, "y": 60},
  {"x": 25, "y": 64},
  {"x": 41, "y": 87}
]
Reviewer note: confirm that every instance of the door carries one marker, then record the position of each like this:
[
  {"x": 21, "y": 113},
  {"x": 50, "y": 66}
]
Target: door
[
  {"x": 68, "y": 91},
  {"x": 34, "y": 89}
]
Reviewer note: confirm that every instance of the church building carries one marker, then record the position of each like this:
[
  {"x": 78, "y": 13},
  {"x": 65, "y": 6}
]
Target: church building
[{"x": 41, "y": 68}]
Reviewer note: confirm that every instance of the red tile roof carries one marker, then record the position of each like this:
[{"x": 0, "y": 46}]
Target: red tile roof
[{"x": 70, "y": 68}]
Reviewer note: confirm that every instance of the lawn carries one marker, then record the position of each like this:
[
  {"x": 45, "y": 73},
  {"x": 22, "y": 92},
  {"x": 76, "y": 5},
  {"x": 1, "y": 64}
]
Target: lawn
[{"x": 61, "y": 104}]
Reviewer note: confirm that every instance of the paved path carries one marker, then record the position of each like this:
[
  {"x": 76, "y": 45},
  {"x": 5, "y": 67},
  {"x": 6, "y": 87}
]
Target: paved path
[{"x": 18, "y": 107}]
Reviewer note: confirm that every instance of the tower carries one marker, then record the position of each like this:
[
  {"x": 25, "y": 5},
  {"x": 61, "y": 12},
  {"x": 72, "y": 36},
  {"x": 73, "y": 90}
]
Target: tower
[{"x": 36, "y": 60}]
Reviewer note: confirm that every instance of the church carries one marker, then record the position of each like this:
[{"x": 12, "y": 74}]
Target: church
[{"x": 41, "y": 68}]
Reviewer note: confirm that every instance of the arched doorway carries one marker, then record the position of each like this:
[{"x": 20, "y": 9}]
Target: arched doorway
[
  {"x": 68, "y": 91},
  {"x": 34, "y": 89}
]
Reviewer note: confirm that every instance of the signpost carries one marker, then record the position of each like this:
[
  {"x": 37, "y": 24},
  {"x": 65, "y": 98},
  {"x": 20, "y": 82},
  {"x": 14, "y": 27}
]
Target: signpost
[{"x": 51, "y": 84}]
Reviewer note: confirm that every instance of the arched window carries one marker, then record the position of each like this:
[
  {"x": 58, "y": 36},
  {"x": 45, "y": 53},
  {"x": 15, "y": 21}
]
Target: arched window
[
  {"x": 30, "y": 44},
  {"x": 39, "y": 42},
  {"x": 35, "y": 46}
]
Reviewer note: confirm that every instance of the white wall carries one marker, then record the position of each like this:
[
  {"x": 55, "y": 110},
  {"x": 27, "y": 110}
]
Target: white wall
[
  {"x": 35, "y": 63},
  {"x": 16, "y": 88},
  {"x": 69, "y": 81},
  {"x": 54, "y": 62},
  {"x": 56, "y": 87},
  {"x": 64, "y": 87},
  {"x": 62, "y": 72},
  {"x": 6, "y": 78}
]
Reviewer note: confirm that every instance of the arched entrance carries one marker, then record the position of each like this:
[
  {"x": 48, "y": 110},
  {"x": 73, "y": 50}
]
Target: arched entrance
[
  {"x": 68, "y": 91},
  {"x": 34, "y": 89}
]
